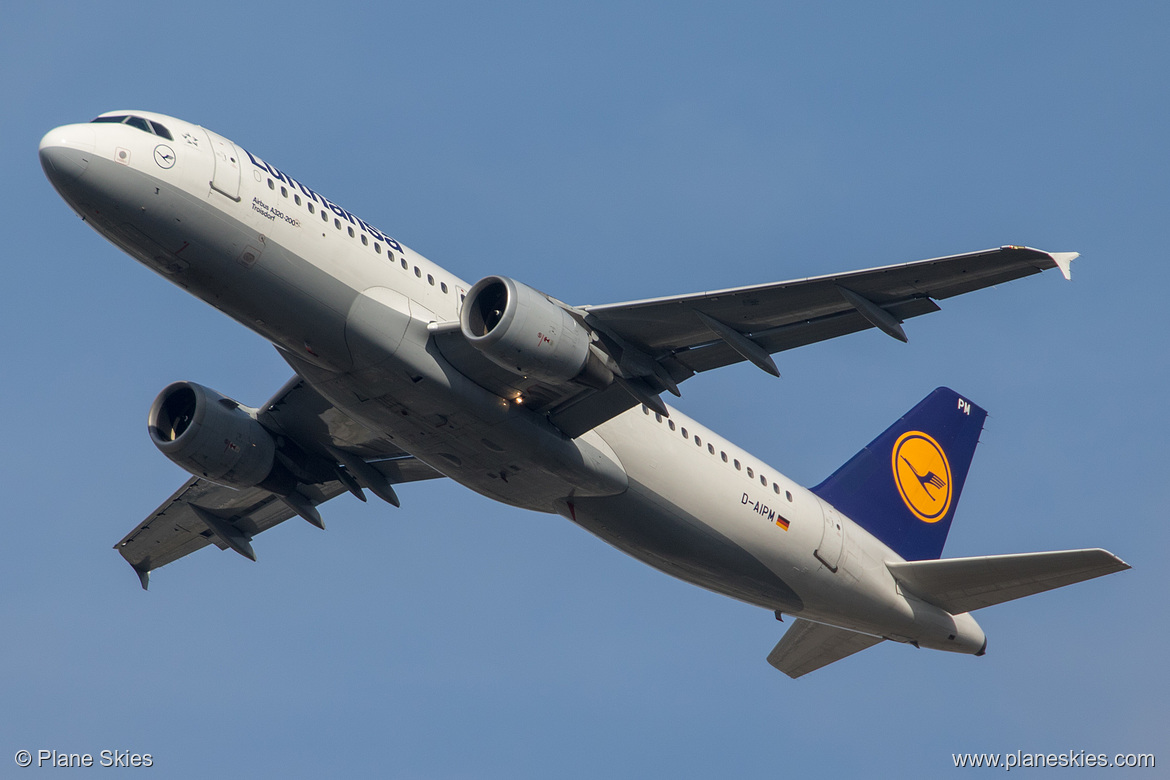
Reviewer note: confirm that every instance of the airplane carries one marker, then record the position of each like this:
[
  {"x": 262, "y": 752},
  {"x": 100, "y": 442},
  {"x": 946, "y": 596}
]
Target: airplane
[{"x": 404, "y": 372}]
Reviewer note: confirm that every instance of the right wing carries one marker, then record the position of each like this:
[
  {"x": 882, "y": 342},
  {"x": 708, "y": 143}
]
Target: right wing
[
  {"x": 808, "y": 646},
  {"x": 202, "y": 512},
  {"x": 790, "y": 314},
  {"x": 658, "y": 343}
]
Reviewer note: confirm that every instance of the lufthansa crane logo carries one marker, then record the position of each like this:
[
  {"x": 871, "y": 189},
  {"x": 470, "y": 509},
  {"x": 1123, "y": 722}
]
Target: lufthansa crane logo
[
  {"x": 164, "y": 156},
  {"x": 922, "y": 475}
]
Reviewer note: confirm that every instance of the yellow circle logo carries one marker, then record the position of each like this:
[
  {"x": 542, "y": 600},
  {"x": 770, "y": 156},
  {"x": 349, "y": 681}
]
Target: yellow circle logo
[{"x": 922, "y": 475}]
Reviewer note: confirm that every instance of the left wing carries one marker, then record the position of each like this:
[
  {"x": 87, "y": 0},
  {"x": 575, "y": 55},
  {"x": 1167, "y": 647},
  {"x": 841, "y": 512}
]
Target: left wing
[
  {"x": 202, "y": 512},
  {"x": 655, "y": 344}
]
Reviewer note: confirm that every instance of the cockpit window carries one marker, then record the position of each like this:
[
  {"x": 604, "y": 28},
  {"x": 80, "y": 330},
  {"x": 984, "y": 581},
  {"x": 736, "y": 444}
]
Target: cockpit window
[
  {"x": 146, "y": 125},
  {"x": 160, "y": 130}
]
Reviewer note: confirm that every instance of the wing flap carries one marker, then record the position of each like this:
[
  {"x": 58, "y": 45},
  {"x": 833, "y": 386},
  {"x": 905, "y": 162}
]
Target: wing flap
[
  {"x": 961, "y": 585},
  {"x": 808, "y": 646},
  {"x": 591, "y": 409}
]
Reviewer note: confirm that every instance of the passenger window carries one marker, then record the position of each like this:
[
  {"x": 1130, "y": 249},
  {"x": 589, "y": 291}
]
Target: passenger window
[
  {"x": 737, "y": 466},
  {"x": 697, "y": 442},
  {"x": 297, "y": 199},
  {"x": 788, "y": 494},
  {"x": 312, "y": 208},
  {"x": 645, "y": 410},
  {"x": 405, "y": 267},
  {"x": 430, "y": 280},
  {"x": 657, "y": 417},
  {"x": 671, "y": 424},
  {"x": 723, "y": 455},
  {"x": 337, "y": 223},
  {"x": 775, "y": 488},
  {"x": 377, "y": 248},
  {"x": 711, "y": 448},
  {"x": 365, "y": 241},
  {"x": 443, "y": 286},
  {"x": 763, "y": 480},
  {"x": 418, "y": 272},
  {"x": 351, "y": 232},
  {"x": 750, "y": 474},
  {"x": 684, "y": 433},
  {"x": 271, "y": 184},
  {"x": 284, "y": 192},
  {"x": 324, "y": 215}
]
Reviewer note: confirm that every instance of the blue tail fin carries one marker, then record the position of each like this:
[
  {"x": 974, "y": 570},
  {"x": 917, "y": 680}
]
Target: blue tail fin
[{"x": 903, "y": 487}]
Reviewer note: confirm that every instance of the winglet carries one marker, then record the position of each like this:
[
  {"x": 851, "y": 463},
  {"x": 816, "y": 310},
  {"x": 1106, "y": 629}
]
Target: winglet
[
  {"x": 143, "y": 577},
  {"x": 1063, "y": 261}
]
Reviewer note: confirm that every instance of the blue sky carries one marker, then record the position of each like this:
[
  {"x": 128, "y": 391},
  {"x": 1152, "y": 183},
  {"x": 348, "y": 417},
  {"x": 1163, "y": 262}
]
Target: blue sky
[{"x": 600, "y": 152}]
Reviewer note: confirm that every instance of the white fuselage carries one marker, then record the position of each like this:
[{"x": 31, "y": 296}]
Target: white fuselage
[{"x": 349, "y": 308}]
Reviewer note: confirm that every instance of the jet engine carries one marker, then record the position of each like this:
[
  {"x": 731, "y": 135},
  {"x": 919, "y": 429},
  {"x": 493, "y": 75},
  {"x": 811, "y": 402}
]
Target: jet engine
[
  {"x": 216, "y": 438},
  {"x": 530, "y": 334}
]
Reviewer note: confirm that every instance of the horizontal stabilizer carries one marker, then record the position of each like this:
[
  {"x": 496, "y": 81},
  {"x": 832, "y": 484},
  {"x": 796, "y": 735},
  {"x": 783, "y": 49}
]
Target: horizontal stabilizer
[
  {"x": 808, "y": 646},
  {"x": 964, "y": 584}
]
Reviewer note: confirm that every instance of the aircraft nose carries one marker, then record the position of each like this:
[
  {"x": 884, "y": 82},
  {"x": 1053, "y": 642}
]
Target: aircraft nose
[{"x": 65, "y": 152}]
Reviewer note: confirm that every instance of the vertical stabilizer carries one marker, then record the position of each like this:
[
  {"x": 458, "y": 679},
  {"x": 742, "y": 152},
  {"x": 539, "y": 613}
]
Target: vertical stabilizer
[{"x": 904, "y": 486}]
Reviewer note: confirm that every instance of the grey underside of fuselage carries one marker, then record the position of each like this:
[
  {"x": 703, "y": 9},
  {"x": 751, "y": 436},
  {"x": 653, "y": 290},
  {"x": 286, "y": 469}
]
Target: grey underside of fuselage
[{"x": 667, "y": 537}]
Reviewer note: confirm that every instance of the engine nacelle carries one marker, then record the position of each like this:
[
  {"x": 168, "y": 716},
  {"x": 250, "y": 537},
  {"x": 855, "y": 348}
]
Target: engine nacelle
[
  {"x": 527, "y": 333},
  {"x": 212, "y": 436}
]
